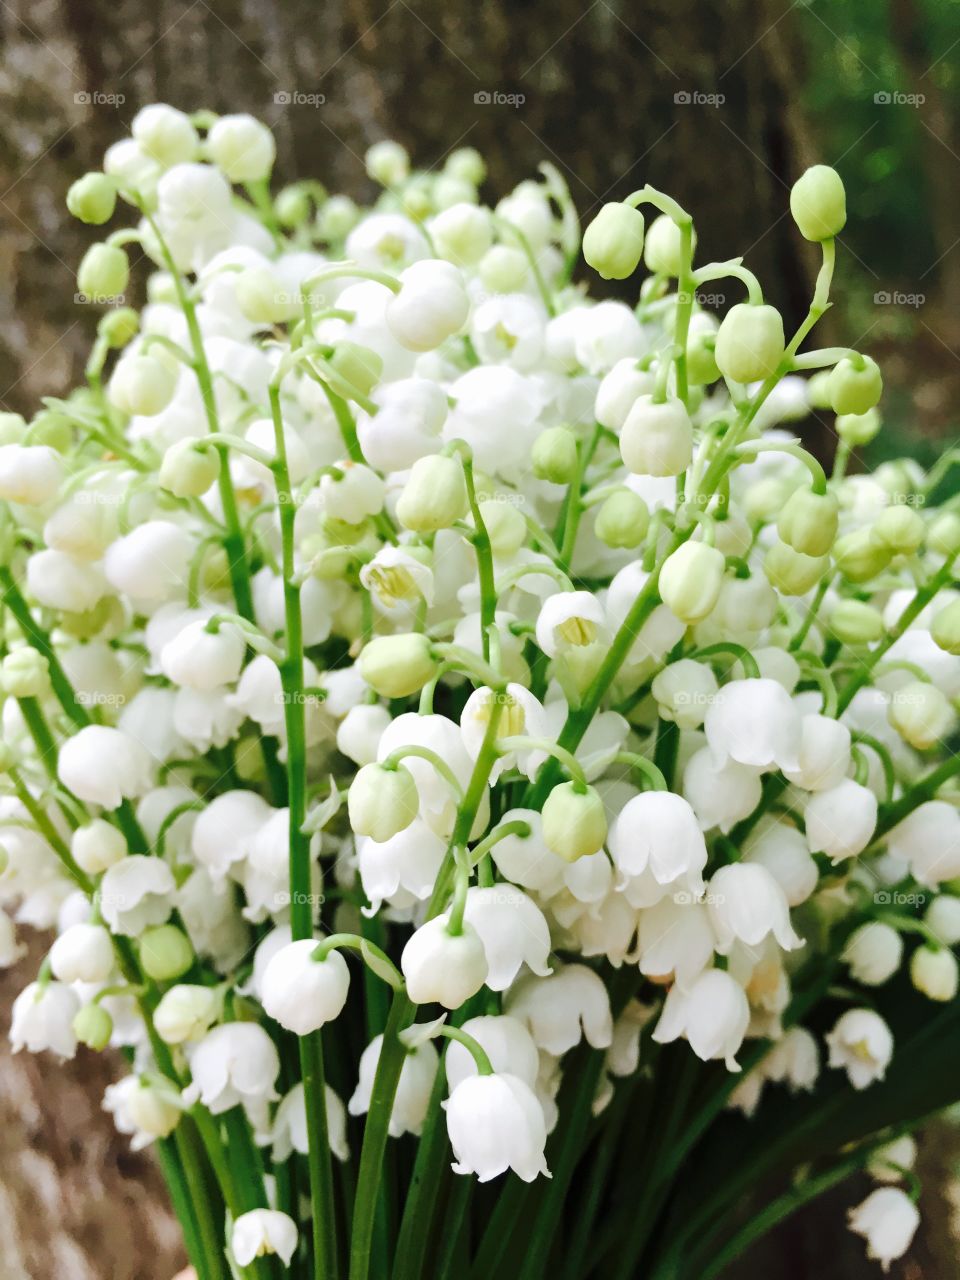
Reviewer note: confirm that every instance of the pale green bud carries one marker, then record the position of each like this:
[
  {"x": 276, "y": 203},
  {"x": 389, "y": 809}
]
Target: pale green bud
[
  {"x": 13, "y": 428},
  {"x": 92, "y": 199},
  {"x": 397, "y": 666},
  {"x": 818, "y": 389},
  {"x": 934, "y": 972},
  {"x": 503, "y": 269},
  {"x": 51, "y": 428},
  {"x": 613, "y": 242},
  {"x": 329, "y": 563},
  {"x": 656, "y": 438},
  {"x": 262, "y": 298},
  {"x": 97, "y": 846},
  {"x": 165, "y": 134},
  {"x": 104, "y": 272},
  {"x": 859, "y": 558},
  {"x": 764, "y": 500},
  {"x": 188, "y": 472},
  {"x": 382, "y": 802},
  {"x": 449, "y": 191},
  {"x": 462, "y": 233},
  {"x": 243, "y": 147},
  {"x": 417, "y": 198},
  {"x": 292, "y": 206},
  {"x": 900, "y": 529},
  {"x": 750, "y": 342},
  {"x": 93, "y": 1027},
  {"x": 943, "y": 536},
  {"x": 853, "y": 622},
  {"x": 26, "y": 673},
  {"x": 505, "y": 525},
  {"x": 574, "y": 822},
  {"x": 141, "y": 385},
  {"x": 858, "y": 428},
  {"x": 808, "y": 522},
  {"x": 661, "y": 248},
  {"x": 554, "y": 455},
  {"x": 701, "y": 343},
  {"x": 818, "y": 203},
  {"x": 856, "y": 385},
  {"x": 792, "y": 572},
  {"x": 623, "y": 520},
  {"x": 165, "y": 953},
  {"x": 119, "y": 327},
  {"x": 337, "y": 218},
  {"x": 435, "y": 495},
  {"x": 467, "y": 164},
  {"x": 690, "y": 581},
  {"x": 946, "y": 628},
  {"x": 387, "y": 162},
  {"x": 360, "y": 368},
  {"x": 921, "y": 714}
]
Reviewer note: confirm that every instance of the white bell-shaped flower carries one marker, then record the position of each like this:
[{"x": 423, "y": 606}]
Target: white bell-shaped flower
[
  {"x": 61, "y": 581},
  {"x": 676, "y": 937},
  {"x": 443, "y": 967},
  {"x": 221, "y": 832},
  {"x": 439, "y": 734},
  {"x": 873, "y": 952},
  {"x": 30, "y": 475},
  {"x": 513, "y": 931},
  {"x": 397, "y": 581},
  {"x": 42, "y": 1018},
  {"x": 431, "y": 306},
  {"x": 290, "y": 1134},
  {"x": 360, "y": 731},
  {"x": 144, "y": 1110},
  {"x": 570, "y": 620},
  {"x": 302, "y": 993},
  {"x": 196, "y": 658},
  {"x": 104, "y": 766},
  {"x": 754, "y": 722},
  {"x": 495, "y": 1123},
  {"x": 721, "y": 797},
  {"x": 507, "y": 1043},
  {"x": 136, "y": 893},
  {"x": 261, "y": 1232},
  {"x": 186, "y": 1012},
  {"x": 234, "y": 1064},
  {"x": 928, "y": 841},
  {"x": 570, "y": 1004},
  {"x": 783, "y": 851},
  {"x": 888, "y": 1221},
  {"x": 712, "y": 1015},
  {"x": 82, "y": 953},
  {"x": 406, "y": 427},
  {"x": 861, "y": 1043},
  {"x": 683, "y": 691},
  {"x": 824, "y": 755},
  {"x": 520, "y": 714},
  {"x": 794, "y": 1060},
  {"x": 412, "y": 1098},
  {"x": 746, "y": 904},
  {"x": 656, "y": 835},
  {"x": 151, "y": 563},
  {"x": 840, "y": 822},
  {"x": 526, "y": 860},
  {"x": 403, "y": 869}
]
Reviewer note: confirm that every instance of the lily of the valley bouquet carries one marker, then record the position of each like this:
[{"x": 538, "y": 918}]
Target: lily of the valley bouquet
[{"x": 493, "y": 785}]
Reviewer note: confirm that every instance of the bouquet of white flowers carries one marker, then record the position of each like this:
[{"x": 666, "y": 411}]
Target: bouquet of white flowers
[{"x": 430, "y": 694}]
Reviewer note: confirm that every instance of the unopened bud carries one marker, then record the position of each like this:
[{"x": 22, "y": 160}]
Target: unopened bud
[
  {"x": 921, "y": 714},
  {"x": 188, "y": 472},
  {"x": 858, "y": 428},
  {"x": 900, "y": 529},
  {"x": 613, "y": 242},
  {"x": 818, "y": 203},
  {"x": 750, "y": 342},
  {"x": 554, "y": 455},
  {"x": 808, "y": 522},
  {"x": 853, "y": 622},
  {"x": 946, "y": 628},
  {"x": 856, "y": 385},
  {"x": 623, "y": 520},
  {"x": 119, "y": 327},
  {"x": 92, "y": 199},
  {"x": 387, "y": 163},
  {"x": 397, "y": 666},
  {"x": 662, "y": 244},
  {"x": 690, "y": 581},
  {"x": 104, "y": 272},
  {"x": 165, "y": 953},
  {"x": 574, "y": 821},
  {"x": 93, "y": 1027},
  {"x": 359, "y": 367},
  {"x": 859, "y": 558},
  {"x": 943, "y": 536},
  {"x": 382, "y": 802},
  {"x": 792, "y": 572},
  {"x": 934, "y": 972},
  {"x": 435, "y": 495},
  {"x": 25, "y": 673}
]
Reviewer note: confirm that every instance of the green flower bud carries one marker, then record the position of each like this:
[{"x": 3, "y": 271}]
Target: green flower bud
[
  {"x": 417, "y": 197},
  {"x": 104, "y": 272},
  {"x": 359, "y": 368},
  {"x": 623, "y": 520},
  {"x": 329, "y": 563},
  {"x": 337, "y": 218},
  {"x": 505, "y": 525},
  {"x": 855, "y": 623},
  {"x": 397, "y": 666},
  {"x": 119, "y": 327},
  {"x": 921, "y": 714},
  {"x": 51, "y": 428},
  {"x": 858, "y": 429},
  {"x": 613, "y": 242},
  {"x": 243, "y": 147},
  {"x": 26, "y": 673},
  {"x": 13, "y": 428},
  {"x": 690, "y": 581},
  {"x": 661, "y": 248},
  {"x": 382, "y": 802},
  {"x": 900, "y": 529},
  {"x": 92, "y": 199},
  {"x": 818, "y": 203},
  {"x": 467, "y": 164},
  {"x": 93, "y": 1027},
  {"x": 808, "y": 522},
  {"x": 701, "y": 358},
  {"x": 792, "y": 572},
  {"x": 574, "y": 822},
  {"x": 856, "y": 385},
  {"x": 946, "y": 628},
  {"x": 935, "y": 973},
  {"x": 187, "y": 471},
  {"x": 503, "y": 269},
  {"x": 554, "y": 455},
  {"x": 97, "y": 846},
  {"x": 943, "y": 536},
  {"x": 292, "y": 206},
  {"x": 166, "y": 953},
  {"x": 764, "y": 500},
  {"x": 750, "y": 343},
  {"x": 818, "y": 389},
  {"x": 262, "y": 298},
  {"x": 462, "y": 234},
  {"x": 859, "y": 558},
  {"x": 435, "y": 495},
  {"x": 387, "y": 163}
]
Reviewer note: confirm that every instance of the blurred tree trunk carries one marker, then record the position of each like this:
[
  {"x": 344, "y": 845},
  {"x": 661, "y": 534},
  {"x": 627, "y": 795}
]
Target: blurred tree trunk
[{"x": 691, "y": 95}]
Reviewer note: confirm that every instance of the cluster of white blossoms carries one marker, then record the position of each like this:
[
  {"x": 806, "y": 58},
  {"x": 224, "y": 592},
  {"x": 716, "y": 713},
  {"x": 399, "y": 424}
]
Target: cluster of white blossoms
[{"x": 390, "y": 624}]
